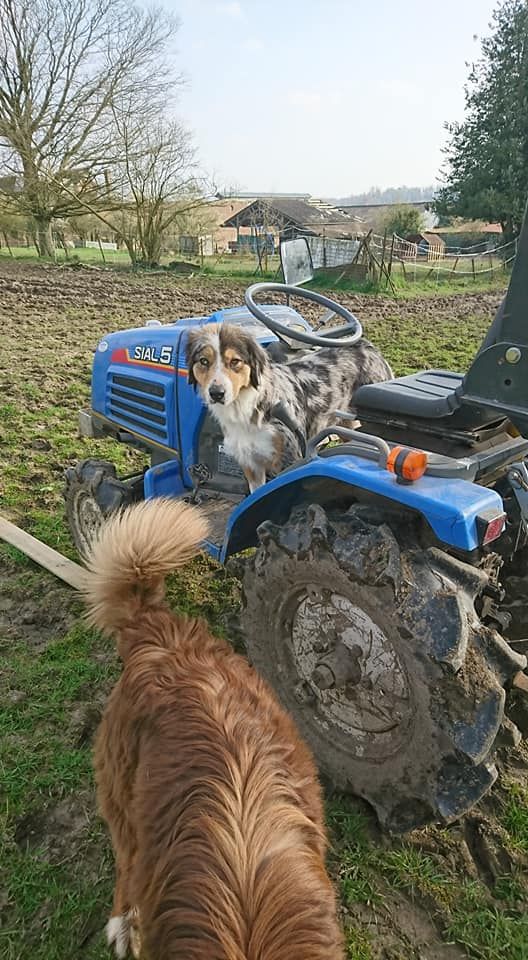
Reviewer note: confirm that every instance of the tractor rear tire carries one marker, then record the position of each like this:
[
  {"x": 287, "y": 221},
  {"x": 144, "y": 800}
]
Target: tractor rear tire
[
  {"x": 374, "y": 646},
  {"x": 92, "y": 492},
  {"x": 514, "y": 577}
]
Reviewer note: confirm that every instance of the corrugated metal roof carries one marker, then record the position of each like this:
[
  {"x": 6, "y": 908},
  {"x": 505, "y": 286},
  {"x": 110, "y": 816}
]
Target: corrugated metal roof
[{"x": 288, "y": 210}]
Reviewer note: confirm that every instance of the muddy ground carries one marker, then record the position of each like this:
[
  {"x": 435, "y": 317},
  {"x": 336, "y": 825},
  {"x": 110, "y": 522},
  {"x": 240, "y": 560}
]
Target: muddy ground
[
  {"x": 425, "y": 898},
  {"x": 32, "y": 286}
]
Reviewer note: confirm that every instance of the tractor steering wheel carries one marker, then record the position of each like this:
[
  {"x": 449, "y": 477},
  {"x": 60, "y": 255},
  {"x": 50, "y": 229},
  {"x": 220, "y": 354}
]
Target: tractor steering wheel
[{"x": 344, "y": 336}]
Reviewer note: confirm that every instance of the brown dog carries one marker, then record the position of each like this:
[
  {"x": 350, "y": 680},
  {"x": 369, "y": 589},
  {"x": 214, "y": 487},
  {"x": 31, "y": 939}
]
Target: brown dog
[{"x": 211, "y": 798}]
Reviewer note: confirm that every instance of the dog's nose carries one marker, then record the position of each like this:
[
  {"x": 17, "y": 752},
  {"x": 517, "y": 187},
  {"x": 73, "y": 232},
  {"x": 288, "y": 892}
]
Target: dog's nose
[{"x": 216, "y": 393}]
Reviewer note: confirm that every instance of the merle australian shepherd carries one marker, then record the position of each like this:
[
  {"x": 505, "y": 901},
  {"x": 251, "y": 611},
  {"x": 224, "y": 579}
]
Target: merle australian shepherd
[
  {"x": 268, "y": 410},
  {"x": 211, "y": 797}
]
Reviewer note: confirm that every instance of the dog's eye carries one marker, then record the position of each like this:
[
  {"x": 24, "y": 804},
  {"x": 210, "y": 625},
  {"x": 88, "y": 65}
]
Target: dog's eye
[
  {"x": 204, "y": 362},
  {"x": 235, "y": 364}
]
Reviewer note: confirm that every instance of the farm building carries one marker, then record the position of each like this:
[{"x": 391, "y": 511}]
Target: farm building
[
  {"x": 428, "y": 245},
  {"x": 206, "y": 233},
  {"x": 195, "y": 246},
  {"x": 287, "y": 217},
  {"x": 214, "y": 234}
]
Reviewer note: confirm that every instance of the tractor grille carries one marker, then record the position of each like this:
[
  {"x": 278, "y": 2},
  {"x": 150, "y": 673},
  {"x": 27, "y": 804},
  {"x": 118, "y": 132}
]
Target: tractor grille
[{"x": 138, "y": 404}]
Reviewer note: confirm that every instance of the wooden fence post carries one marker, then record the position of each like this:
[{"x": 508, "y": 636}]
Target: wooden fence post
[
  {"x": 383, "y": 253},
  {"x": 101, "y": 248},
  {"x": 389, "y": 268},
  {"x": 6, "y": 241}
]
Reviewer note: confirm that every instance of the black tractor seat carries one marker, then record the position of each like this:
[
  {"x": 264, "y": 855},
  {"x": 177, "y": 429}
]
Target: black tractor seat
[
  {"x": 491, "y": 397},
  {"x": 432, "y": 401},
  {"x": 427, "y": 395}
]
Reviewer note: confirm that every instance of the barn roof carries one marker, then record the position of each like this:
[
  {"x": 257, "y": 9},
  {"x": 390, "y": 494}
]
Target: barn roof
[
  {"x": 362, "y": 209},
  {"x": 432, "y": 239},
  {"x": 229, "y": 207},
  {"x": 258, "y": 194},
  {"x": 287, "y": 211}
]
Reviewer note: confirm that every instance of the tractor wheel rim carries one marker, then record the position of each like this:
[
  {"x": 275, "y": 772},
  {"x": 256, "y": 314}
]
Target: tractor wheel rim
[
  {"x": 377, "y": 706},
  {"x": 90, "y": 517}
]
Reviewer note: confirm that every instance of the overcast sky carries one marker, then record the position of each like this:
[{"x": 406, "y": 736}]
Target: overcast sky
[{"x": 326, "y": 97}]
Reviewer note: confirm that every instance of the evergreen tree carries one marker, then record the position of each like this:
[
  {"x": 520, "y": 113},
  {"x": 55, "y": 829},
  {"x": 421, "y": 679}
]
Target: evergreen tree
[{"x": 486, "y": 175}]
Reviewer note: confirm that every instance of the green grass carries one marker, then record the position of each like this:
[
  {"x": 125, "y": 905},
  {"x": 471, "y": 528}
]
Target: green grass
[
  {"x": 358, "y": 944},
  {"x": 491, "y": 925},
  {"x": 53, "y": 681},
  {"x": 515, "y": 816},
  {"x": 83, "y": 254},
  {"x": 54, "y": 896},
  {"x": 416, "y": 872},
  {"x": 245, "y": 268},
  {"x": 489, "y": 933},
  {"x": 55, "y": 673},
  {"x": 61, "y": 910},
  {"x": 242, "y": 268}
]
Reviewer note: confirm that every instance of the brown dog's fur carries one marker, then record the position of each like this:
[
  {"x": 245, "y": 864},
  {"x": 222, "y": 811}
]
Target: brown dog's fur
[{"x": 211, "y": 798}]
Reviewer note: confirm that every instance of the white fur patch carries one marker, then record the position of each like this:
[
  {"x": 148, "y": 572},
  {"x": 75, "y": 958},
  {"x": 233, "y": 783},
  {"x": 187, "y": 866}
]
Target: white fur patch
[
  {"x": 249, "y": 444},
  {"x": 118, "y": 935}
]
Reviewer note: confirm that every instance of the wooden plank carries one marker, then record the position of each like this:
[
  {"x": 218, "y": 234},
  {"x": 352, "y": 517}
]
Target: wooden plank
[{"x": 72, "y": 573}]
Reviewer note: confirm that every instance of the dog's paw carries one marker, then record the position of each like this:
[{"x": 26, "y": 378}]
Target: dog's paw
[{"x": 118, "y": 935}]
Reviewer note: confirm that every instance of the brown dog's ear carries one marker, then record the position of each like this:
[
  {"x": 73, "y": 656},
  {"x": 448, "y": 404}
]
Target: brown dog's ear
[
  {"x": 257, "y": 359},
  {"x": 190, "y": 351}
]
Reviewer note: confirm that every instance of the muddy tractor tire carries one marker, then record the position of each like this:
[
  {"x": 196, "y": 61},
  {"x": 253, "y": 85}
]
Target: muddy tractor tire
[
  {"x": 92, "y": 491},
  {"x": 514, "y": 577},
  {"x": 376, "y": 649}
]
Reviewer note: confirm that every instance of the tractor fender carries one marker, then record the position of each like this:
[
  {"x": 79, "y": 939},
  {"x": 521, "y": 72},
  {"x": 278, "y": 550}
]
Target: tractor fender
[{"x": 451, "y": 507}]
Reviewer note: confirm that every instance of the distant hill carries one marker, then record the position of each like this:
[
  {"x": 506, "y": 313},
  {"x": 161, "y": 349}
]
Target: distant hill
[{"x": 390, "y": 195}]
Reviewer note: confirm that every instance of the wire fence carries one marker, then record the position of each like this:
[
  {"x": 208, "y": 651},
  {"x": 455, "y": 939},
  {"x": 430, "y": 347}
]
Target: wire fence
[
  {"x": 327, "y": 252},
  {"x": 430, "y": 258},
  {"x": 391, "y": 259},
  {"x": 375, "y": 257},
  {"x": 427, "y": 259}
]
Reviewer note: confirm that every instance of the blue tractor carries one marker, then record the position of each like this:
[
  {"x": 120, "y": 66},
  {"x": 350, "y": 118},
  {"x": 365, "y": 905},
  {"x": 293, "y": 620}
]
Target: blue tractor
[{"x": 385, "y": 598}]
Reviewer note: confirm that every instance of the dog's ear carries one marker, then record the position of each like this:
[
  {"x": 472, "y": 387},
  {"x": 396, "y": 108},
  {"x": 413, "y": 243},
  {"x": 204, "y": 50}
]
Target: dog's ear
[
  {"x": 193, "y": 342},
  {"x": 257, "y": 360}
]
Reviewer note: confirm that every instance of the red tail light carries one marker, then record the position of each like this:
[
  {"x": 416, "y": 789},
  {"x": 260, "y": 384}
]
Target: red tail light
[{"x": 490, "y": 527}]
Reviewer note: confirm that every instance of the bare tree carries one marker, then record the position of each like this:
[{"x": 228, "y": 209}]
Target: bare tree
[
  {"x": 155, "y": 179},
  {"x": 158, "y": 178},
  {"x": 64, "y": 64},
  {"x": 265, "y": 224}
]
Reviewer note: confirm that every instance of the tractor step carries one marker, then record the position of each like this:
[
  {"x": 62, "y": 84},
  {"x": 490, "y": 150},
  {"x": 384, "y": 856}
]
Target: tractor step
[{"x": 217, "y": 508}]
